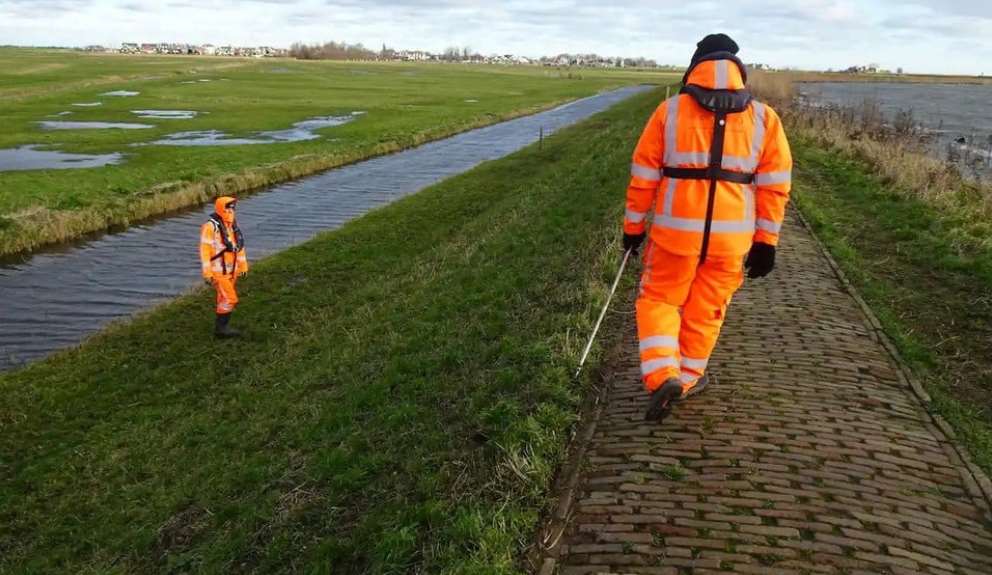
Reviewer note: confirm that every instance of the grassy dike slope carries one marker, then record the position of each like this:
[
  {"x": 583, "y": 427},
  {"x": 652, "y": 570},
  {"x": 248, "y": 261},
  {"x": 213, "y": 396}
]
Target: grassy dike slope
[{"x": 400, "y": 402}]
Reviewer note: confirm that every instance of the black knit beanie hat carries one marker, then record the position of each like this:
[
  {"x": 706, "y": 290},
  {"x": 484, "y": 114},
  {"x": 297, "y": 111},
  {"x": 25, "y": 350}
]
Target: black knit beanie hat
[{"x": 714, "y": 43}]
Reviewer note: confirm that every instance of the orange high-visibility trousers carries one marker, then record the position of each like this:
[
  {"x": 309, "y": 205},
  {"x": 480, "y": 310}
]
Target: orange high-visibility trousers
[
  {"x": 680, "y": 310},
  {"x": 227, "y": 296}
]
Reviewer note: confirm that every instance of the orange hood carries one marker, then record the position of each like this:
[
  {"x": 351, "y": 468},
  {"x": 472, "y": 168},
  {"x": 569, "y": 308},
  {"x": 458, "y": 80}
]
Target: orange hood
[
  {"x": 717, "y": 74},
  {"x": 219, "y": 205}
]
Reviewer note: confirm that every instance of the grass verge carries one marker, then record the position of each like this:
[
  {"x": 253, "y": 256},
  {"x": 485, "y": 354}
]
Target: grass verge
[
  {"x": 399, "y": 403},
  {"x": 925, "y": 271}
]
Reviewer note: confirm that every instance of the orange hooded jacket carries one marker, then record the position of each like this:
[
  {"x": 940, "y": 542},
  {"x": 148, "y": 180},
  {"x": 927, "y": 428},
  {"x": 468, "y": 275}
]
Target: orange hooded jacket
[
  {"x": 745, "y": 201},
  {"x": 222, "y": 223}
]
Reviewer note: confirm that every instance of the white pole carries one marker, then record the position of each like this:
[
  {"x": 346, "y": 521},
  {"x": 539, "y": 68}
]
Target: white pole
[{"x": 602, "y": 314}]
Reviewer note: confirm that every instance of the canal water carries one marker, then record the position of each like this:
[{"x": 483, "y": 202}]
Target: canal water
[{"x": 57, "y": 298}]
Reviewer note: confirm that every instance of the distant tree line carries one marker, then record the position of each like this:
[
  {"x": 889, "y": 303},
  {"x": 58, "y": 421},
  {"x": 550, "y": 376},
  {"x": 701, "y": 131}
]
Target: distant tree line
[{"x": 331, "y": 51}]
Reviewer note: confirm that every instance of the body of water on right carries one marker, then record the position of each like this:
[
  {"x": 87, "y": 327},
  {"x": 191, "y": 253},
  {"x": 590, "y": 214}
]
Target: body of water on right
[{"x": 959, "y": 115}]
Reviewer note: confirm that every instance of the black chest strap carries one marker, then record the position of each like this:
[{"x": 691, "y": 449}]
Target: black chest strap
[{"x": 233, "y": 247}]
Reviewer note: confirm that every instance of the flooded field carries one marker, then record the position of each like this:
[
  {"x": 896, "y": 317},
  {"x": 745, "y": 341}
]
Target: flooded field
[
  {"x": 53, "y": 300},
  {"x": 31, "y": 158},
  {"x": 65, "y": 125},
  {"x": 958, "y": 116},
  {"x": 166, "y": 114},
  {"x": 300, "y": 132}
]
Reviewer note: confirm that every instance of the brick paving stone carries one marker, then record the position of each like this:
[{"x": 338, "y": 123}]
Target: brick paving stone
[{"x": 808, "y": 454}]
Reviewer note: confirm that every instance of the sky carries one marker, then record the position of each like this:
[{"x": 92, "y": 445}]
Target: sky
[{"x": 920, "y": 36}]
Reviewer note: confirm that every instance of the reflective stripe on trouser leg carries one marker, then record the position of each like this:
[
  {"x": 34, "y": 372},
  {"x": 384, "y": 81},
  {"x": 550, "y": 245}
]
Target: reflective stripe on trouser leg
[
  {"x": 715, "y": 283},
  {"x": 664, "y": 288},
  {"x": 227, "y": 297}
]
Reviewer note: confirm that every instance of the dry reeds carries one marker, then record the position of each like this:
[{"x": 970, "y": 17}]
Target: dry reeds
[{"x": 897, "y": 150}]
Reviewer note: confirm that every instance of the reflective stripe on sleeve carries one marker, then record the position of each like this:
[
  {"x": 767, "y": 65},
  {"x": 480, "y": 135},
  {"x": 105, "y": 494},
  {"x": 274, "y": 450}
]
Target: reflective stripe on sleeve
[
  {"x": 659, "y": 341},
  {"x": 768, "y": 225},
  {"x": 653, "y": 365},
  {"x": 635, "y": 217},
  {"x": 645, "y": 173},
  {"x": 771, "y": 178}
]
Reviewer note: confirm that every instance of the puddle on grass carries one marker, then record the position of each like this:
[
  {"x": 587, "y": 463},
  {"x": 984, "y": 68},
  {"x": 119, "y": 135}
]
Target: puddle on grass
[
  {"x": 300, "y": 132},
  {"x": 120, "y": 93},
  {"x": 87, "y": 104},
  {"x": 188, "y": 82},
  {"x": 31, "y": 158},
  {"x": 472, "y": 101},
  {"x": 63, "y": 125},
  {"x": 66, "y": 113},
  {"x": 166, "y": 114}
]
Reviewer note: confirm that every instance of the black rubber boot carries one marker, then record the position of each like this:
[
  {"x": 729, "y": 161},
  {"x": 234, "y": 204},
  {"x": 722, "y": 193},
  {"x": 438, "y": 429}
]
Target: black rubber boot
[
  {"x": 659, "y": 405},
  {"x": 221, "y": 329},
  {"x": 700, "y": 386}
]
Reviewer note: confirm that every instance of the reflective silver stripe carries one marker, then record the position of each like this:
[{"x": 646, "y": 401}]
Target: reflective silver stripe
[
  {"x": 671, "y": 129},
  {"x": 659, "y": 341},
  {"x": 644, "y": 172},
  {"x": 749, "y": 212},
  {"x": 771, "y": 178},
  {"x": 666, "y": 207},
  {"x": 635, "y": 217},
  {"x": 208, "y": 242},
  {"x": 768, "y": 225},
  {"x": 687, "y": 377},
  {"x": 694, "y": 225},
  {"x": 721, "y": 74},
  {"x": 678, "y": 158},
  {"x": 653, "y": 365},
  {"x": 740, "y": 163},
  {"x": 758, "y": 137},
  {"x": 646, "y": 274},
  {"x": 694, "y": 363}
]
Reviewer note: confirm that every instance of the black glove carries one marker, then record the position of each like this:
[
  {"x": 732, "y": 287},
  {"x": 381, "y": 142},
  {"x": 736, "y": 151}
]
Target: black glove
[
  {"x": 632, "y": 241},
  {"x": 760, "y": 260}
]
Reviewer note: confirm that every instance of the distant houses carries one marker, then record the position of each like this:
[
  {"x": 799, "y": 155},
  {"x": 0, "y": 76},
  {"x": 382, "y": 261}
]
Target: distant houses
[
  {"x": 344, "y": 51},
  {"x": 195, "y": 50}
]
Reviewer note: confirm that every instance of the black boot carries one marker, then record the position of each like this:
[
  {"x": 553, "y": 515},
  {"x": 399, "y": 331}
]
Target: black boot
[
  {"x": 221, "y": 329},
  {"x": 659, "y": 405},
  {"x": 701, "y": 384}
]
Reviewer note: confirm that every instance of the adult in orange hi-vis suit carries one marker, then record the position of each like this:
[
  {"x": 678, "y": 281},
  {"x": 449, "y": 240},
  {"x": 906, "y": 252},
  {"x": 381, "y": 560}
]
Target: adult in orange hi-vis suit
[
  {"x": 223, "y": 260},
  {"x": 716, "y": 166}
]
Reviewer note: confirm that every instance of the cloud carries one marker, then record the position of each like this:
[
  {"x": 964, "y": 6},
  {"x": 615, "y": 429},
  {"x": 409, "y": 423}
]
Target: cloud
[{"x": 919, "y": 35}]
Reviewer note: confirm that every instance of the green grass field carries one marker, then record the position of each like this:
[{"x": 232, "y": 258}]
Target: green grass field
[
  {"x": 405, "y": 104},
  {"x": 399, "y": 403}
]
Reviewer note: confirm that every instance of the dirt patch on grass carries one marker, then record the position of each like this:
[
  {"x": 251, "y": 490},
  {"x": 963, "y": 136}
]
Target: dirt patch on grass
[{"x": 179, "y": 532}]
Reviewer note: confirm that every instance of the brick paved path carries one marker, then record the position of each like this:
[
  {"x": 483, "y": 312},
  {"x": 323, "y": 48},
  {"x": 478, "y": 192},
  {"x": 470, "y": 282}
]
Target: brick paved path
[{"x": 808, "y": 454}]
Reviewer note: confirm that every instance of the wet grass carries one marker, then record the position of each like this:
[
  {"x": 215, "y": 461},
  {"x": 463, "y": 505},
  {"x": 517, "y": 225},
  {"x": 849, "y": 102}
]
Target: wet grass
[
  {"x": 399, "y": 403},
  {"x": 406, "y": 104},
  {"x": 926, "y": 271}
]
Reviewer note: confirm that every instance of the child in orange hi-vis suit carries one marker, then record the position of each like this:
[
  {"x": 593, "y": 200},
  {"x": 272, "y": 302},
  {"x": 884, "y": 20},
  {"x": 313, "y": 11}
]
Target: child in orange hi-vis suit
[{"x": 223, "y": 260}]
